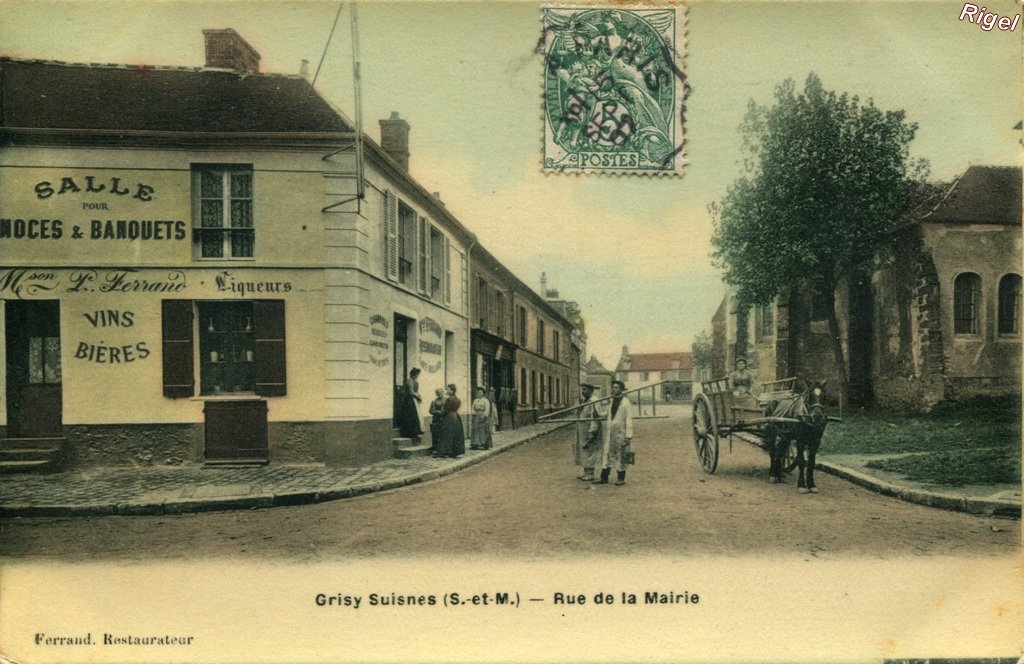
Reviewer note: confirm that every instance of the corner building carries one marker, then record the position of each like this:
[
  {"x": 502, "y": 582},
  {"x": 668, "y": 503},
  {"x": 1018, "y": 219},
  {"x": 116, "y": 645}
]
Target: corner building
[{"x": 193, "y": 270}]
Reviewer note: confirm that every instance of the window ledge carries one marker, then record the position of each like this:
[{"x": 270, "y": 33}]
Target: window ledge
[{"x": 234, "y": 396}]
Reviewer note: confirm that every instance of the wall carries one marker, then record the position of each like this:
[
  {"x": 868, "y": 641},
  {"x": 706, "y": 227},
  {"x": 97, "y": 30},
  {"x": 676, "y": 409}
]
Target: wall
[
  {"x": 985, "y": 363},
  {"x": 908, "y": 364},
  {"x": 359, "y": 325}
]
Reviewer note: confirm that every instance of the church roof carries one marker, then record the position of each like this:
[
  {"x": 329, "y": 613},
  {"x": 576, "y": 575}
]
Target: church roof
[{"x": 982, "y": 195}]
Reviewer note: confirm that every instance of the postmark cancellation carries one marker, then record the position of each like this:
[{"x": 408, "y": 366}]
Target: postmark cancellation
[{"x": 614, "y": 89}]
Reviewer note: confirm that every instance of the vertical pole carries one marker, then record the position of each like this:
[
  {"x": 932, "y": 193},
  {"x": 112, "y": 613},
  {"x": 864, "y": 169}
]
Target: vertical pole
[{"x": 357, "y": 82}]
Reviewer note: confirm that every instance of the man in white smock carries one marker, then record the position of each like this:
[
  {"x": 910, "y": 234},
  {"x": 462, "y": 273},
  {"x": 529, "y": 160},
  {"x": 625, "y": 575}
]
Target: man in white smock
[{"x": 618, "y": 433}]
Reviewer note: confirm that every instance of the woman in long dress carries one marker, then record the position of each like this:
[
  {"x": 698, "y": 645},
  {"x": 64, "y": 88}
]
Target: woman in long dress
[
  {"x": 480, "y": 428},
  {"x": 436, "y": 417},
  {"x": 409, "y": 424},
  {"x": 453, "y": 438}
]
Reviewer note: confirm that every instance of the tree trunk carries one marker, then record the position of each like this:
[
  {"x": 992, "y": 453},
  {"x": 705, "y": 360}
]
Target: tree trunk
[{"x": 837, "y": 345}]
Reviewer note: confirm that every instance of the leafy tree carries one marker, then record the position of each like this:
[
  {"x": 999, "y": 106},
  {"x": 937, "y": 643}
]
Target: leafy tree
[
  {"x": 700, "y": 351},
  {"x": 825, "y": 181}
]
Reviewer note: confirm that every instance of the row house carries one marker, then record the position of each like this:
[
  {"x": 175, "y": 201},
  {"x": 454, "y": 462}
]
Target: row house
[
  {"x": 206, "y": 265},
  {"x": 936, "y": 317},
  {"x": 571, "y": 311},
  {"x": 522, "y": 346}
]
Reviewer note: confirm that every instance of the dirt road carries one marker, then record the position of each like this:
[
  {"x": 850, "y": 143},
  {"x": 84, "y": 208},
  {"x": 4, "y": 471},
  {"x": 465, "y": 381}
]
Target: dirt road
[{"x": 528, "y": 502}]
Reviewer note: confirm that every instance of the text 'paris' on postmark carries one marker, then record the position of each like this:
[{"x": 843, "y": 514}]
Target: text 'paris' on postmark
[{"x": 614, "y": 89}]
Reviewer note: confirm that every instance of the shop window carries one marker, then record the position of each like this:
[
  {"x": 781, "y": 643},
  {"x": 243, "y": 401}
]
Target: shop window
[
  {"x": 966, "y": 300},
  {"x": 1009, "y": 304},
  {"x": 222, "y": 211},
  {"x": 226, "y": 347},
  {"x": 241, "y": 348}
]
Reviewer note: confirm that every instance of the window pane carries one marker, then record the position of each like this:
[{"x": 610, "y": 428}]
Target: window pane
[
  {"x": 211, "y": 184},
  {"x": 51, "y": 359},
  {"x": 242, "y": 244},
  {"x": 212, "y": 213},
  {"x": 966, "y": 293},
  {"x": 35, "y": 360},
  {"x": 213, "y": 244},
  {"x": 241, "y": 185},
  {"x": 241, "y": 214},
  {"x": 1009, "y": 304}
]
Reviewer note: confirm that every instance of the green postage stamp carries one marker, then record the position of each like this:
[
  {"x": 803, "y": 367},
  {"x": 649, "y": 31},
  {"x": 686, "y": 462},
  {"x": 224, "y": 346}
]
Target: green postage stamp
[{"x": 614, "y": 89}]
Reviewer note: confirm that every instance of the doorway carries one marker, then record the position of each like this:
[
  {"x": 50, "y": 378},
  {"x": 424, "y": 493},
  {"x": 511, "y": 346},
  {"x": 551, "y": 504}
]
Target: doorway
[
  {"x": 401, "y": 363},
  {"x": 34, "y": 393}
]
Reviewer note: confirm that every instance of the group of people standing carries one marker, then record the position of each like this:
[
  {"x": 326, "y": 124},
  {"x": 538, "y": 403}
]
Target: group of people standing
[
  {"x": 604, "y": 434},
  {"x": 447, "y": 436}
]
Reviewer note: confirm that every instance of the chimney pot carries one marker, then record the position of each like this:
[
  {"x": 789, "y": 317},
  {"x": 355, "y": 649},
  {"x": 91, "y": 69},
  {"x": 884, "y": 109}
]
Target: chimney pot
[
  {"x": 394, "y": 139},
  {"x": 304, "y": 68},
  {"x": 225, "y": 49}
]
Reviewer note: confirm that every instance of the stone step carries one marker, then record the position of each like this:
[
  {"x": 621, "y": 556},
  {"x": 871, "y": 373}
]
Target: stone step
[
  {"x": 30, "y": 454},
  {"x": 398, "y": 441},
  {"x": 26, "y": 455},
  {"x": 30, "y": 466},
  {"x": 409, "y": 452},
  {"x": 55, "y": 442}
]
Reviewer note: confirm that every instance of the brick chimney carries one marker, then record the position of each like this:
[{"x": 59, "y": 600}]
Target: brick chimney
[
  {"x": 394, "y": 138},
  {"x": 225, "y": 49}
]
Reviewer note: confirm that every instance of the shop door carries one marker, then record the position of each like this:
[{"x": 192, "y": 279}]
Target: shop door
[
  {"x": 401, "y": 363},
  {"x": 34, "y": 399}
]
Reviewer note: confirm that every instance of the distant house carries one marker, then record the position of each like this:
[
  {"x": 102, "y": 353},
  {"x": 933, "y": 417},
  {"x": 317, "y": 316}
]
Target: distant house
[
  {"x": 596, "y": 375},
  {"x": 641, "y": 369},
  {"x": 937, "y": 317}
]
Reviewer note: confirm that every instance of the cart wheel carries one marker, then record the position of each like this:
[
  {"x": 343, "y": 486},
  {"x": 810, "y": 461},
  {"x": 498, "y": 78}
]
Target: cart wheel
[
  {"x": 705, "y": 434},
  {"x": 789, "y": 457}
]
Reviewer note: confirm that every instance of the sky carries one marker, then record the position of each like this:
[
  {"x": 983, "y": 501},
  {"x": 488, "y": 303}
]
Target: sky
[{"x": 634, "y": 252}]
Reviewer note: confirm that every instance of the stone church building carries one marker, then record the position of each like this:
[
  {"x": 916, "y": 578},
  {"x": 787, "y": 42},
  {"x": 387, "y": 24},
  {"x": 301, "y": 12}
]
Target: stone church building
[{"x": 936, "y": 318}]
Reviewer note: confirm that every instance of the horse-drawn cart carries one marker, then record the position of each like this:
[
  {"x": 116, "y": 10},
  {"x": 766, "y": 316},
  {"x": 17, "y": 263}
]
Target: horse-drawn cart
[{"x": 779, "y": 420}]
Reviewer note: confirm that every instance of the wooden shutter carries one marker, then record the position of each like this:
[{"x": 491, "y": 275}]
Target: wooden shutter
[
  {"x": 422, "y": 237},
  {"x": 270, "y": 368},
  {"x": 391, "y": 235},
  {"x": 179, "y": 373},
  {"x": 447, "y": 258}
]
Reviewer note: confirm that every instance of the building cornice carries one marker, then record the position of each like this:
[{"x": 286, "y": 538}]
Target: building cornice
[{"x": 134, "y": 138}]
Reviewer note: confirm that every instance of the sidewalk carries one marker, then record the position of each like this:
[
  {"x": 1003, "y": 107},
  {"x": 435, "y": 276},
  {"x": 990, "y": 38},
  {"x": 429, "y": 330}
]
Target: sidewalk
[
  {"x": 195, "y": 488},
  {"x": 991, "y": 500}
]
